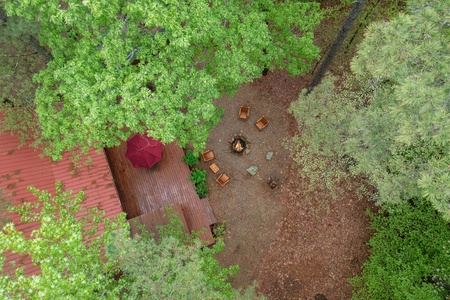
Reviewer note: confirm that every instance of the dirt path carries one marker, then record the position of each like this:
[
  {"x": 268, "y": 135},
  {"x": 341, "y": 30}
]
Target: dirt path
[{"x": 277, "y": 236}]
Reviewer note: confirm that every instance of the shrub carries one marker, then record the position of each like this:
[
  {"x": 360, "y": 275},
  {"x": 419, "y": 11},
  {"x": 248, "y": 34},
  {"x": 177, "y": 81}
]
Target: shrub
[
  {"x": 198, "y": 176},
  {"x": 190, "y": 158},
  {"x": 202, "y": 189},
  {"x": 408, "y": 259}
]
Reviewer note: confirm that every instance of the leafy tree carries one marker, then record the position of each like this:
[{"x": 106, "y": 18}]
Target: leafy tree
[
  {"x": 66, "y": 248},
  {"x": 409, "y": 257},
  {"x": 74, "y": 265},
  {"x": 154, "y": 67},
  {"x": 391, "y": 124},
  {"x": 19, "y": 61},
  {"x": 402, "y": 139},
  {"x": 324, "y": 116},
  {"x": 175, "y": 266},
  {"x": 4, "y": 204}
]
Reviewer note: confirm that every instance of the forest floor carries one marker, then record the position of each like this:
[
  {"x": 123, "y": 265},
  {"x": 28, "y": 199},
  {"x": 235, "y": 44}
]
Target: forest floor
[{"x": 292, "y": 243}]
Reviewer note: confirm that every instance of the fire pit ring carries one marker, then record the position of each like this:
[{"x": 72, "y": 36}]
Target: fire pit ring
[{"x": 238, "y": 144}]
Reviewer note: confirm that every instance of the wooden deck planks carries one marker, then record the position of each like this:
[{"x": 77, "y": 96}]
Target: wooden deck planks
[{"x": 142, "y": 190}]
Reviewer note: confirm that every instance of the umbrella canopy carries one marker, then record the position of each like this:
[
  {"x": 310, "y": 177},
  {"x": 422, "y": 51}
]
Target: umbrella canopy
[{"x": 143, "y": 151}]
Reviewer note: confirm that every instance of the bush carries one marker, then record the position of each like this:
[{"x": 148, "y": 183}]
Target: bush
[
  {"x": 408, "y": 259},
  {"x": 190, "y": 158},
  {"x": 198, "y": 176},
  {"x": 202, "y": 189}
]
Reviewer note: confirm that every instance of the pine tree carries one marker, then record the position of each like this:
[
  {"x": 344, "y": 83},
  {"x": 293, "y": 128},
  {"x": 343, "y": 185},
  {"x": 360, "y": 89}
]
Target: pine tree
[{"x": 401, "y": 140}]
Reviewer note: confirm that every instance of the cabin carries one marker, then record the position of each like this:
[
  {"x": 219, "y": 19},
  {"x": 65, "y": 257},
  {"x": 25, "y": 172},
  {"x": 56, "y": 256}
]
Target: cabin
[{"x": 110, "y": 183}]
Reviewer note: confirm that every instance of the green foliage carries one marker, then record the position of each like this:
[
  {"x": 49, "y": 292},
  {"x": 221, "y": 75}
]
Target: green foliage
[
  {"x": 198, "y": 176},
  {"x": 66, "y": 249},
  {"x": 401, "y": 140},
  {"x": 4, "y": 205},
  {"x": 410, "y": 251},
  {"x": 121, "y": 67},
  {"x": 391, "y": 126},
  {"x": 335, "y": 13},
  {"x": 174, "y": 228},
  {"x": 175, "y": 266},
  {"x": 19, "y": 63},
  {"x": 73, "y": 265},
  {"x": 374, "y": 10},
  {"x": 202, "y": 190},
  {"x": 324, "y": 118},
  {"x": 190, "y": 158}
]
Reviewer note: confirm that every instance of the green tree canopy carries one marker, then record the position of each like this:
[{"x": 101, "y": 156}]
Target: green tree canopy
[
  {"x": 402, "y": 138},
  {"x": 154, "y": 67},
  {"x": 66, "y": 248},
  {"x": 175, "y": 266},
  {"x": 19, "y": 61},
  {"x": 409, "y": 256},
  {"x": 391, "y": 123},
  {"x": 70, "y": 253},
  {"x": 324, "y": 116}
]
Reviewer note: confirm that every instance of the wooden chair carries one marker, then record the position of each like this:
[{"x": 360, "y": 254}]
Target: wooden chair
[
  {"x": 223, "y": 179},
  {"x": 214, "y": 168},
  {"x": 208, "y": 155},
  {"x": 244, "y": 111},
  {"x": 262, "y": 123}
]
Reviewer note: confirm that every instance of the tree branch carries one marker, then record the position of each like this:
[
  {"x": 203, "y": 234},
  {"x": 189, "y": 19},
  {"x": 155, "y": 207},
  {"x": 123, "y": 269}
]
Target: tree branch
[{"x": 354, "y": 13}]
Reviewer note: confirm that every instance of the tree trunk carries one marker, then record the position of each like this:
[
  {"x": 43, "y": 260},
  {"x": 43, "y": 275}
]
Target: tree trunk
[
  {"x": 3, "y": 16},
  {"x": 361, "y": 25},
  {"x": 353, "y": 15},
  {"x": 41, "y": 50}
]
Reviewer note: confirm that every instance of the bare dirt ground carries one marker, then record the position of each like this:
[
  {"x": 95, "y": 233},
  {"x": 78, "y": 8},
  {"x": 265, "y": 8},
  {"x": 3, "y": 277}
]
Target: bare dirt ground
[
  {"x": 249, "y": 206},
  {"x": 279, "y": 237}
]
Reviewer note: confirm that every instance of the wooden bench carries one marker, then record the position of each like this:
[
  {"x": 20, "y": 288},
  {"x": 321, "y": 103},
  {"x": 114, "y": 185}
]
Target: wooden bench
[
  {"x": 244, "y": 111},
  {"x": 214, "y": 168},
  {"x": 262, "y": 123},
  {"x": 223, "y": 179},
  {"x": 208, "y": 155}
]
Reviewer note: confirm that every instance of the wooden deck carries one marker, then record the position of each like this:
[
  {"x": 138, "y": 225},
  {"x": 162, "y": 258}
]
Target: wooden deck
[{"x": 144, "y": 191}]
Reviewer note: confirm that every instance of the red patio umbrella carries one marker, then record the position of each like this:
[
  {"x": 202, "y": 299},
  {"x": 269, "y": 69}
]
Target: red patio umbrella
[{"x": 143, "y": 151}]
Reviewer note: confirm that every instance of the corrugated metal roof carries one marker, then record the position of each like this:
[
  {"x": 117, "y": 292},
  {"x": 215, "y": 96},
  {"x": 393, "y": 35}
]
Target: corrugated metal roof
[
  {"x": 20, "y": 168},
  {"x": 142, "y": 190}
]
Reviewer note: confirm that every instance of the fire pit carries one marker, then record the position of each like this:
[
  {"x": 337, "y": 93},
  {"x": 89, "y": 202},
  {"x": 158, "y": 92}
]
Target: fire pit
[{"x": 239, "y": 144}]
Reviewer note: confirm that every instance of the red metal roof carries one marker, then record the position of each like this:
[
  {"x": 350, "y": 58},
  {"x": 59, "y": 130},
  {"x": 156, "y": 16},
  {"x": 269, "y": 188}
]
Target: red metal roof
[{"x": 20, "y": 168}]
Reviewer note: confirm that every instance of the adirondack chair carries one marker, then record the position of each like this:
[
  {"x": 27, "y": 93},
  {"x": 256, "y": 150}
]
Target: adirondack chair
[
  {"x": 262, "y": 123},
  {"x": 214, "y": 167},
  {"x": 223, "y": 179},
  {"x": 208, "y": 155},
  {"x": 244, "y": 111}
]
